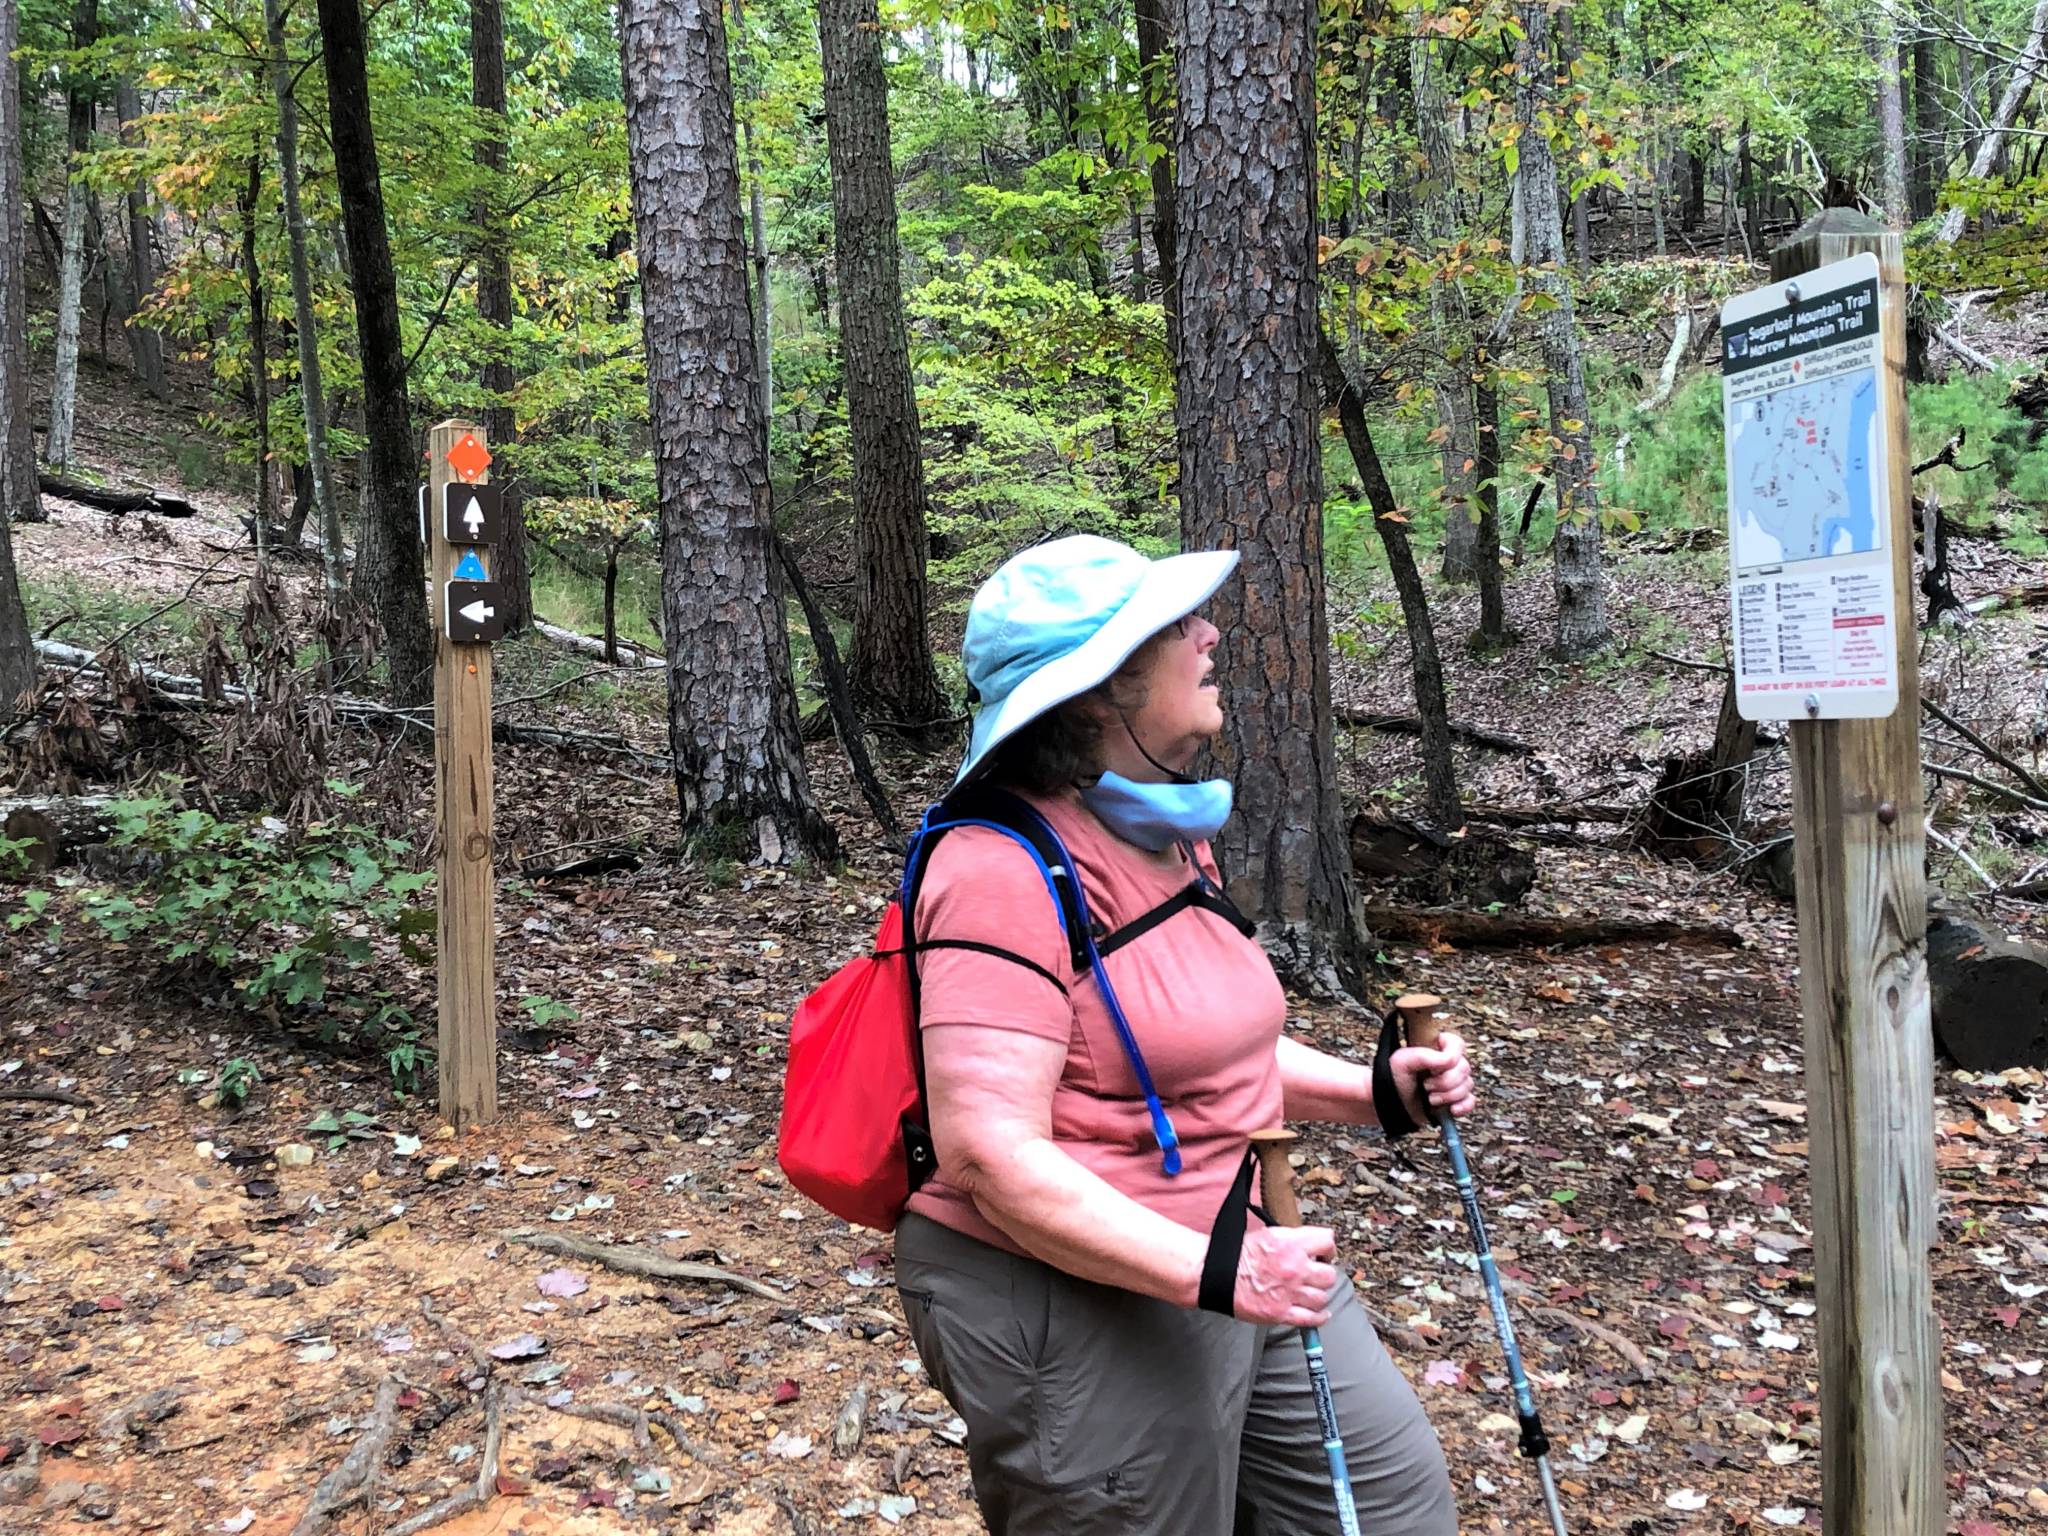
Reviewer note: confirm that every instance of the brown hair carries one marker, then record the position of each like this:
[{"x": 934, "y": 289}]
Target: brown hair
[{"x": 1061, "y": 747}]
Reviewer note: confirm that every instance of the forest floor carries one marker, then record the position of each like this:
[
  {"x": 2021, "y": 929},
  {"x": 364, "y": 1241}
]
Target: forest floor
[{"x": 196, "y": 1330}]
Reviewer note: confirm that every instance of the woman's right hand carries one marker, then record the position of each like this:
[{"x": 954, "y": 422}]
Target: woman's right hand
[{"x": 1283, "y": 1276}]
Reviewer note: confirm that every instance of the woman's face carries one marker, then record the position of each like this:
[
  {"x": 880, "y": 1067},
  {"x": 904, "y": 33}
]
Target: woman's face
[{"x": 1182, "y": 708}]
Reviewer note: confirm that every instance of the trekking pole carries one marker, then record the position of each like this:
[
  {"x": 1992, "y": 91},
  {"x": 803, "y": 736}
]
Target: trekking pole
[
  {"x": 1419, "y": 1020},
  {"x": 1276, "y": 1194}
]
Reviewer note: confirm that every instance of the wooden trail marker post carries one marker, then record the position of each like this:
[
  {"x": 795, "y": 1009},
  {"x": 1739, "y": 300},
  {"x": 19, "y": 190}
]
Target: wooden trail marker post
[
  {"x": 460, "y": 510},
  {"x": 1859, "y": 840}
]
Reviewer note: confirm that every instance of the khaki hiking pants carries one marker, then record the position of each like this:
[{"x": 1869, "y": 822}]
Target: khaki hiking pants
[{"x": 1093, "y": 1411}]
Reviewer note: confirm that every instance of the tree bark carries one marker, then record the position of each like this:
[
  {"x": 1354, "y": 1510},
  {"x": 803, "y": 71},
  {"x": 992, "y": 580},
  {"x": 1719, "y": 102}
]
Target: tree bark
[
  {"x": 891, "y": 666},
  {"x": 20, "y": 494},
  {"x": 733, "y": 731},
  {"x": 57, "y": 444},
  {"x": 757, "y": 223},
  {"x": 305, "y": 327},
  {"x": 511, "y": 565},
  {"x": 1969, "y": 111},
  {"x": 1567, "y": 62},
  {"x": 1891, "y": 118},
  {"x": 1439, "y": 768},
  {"x": 1581, "y": 593},
  {"x": 2032, "y": 56},
  {"x": 145, "y": 342},
  {"x": 1450, "y": 318},
  {"x": 1248, "y": 421},
  {"x": 1155, "y": 64},
  {"x": 1930, "y": 125},
  {"x": 1493, "y": 614},
  {"x": 387, "y": 575},
  {"x": 259, "y": 355}
]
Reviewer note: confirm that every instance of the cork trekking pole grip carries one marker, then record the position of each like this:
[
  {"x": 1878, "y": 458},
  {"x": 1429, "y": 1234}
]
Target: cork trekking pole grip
[
  {"x": 1421, "y": 1017},
  {"x": 1276, "y": 1175}
]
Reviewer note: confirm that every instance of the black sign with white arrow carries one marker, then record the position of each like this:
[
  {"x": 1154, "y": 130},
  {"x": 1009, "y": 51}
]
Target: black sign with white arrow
[
  {"x": 475, "y": 612},
  {"x": 472, "y": 514}
]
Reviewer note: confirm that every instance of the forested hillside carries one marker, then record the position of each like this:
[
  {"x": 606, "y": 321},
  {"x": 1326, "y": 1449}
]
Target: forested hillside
[{"x": 785, "y": 325}]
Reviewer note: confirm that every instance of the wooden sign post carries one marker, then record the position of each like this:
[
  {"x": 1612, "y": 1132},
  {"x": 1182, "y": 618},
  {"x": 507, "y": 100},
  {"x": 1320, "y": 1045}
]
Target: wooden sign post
[
  {"x": 1859, "y": 840},
  {"x": 465, "y": 616}
]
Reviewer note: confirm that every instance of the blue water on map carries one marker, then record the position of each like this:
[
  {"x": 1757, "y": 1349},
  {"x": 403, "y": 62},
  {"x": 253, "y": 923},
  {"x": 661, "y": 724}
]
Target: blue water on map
[{"x": 1860, "y": 520}]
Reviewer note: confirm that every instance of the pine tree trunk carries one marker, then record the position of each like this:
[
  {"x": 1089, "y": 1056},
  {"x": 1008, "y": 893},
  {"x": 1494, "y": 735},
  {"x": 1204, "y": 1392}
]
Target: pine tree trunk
[
  {"x": 1155, "y": 63},
  {"x": 57, "y": 444},
  {"x": 733, "y": 730},
  {"x": 145, "y": 342},
  {"x": 1581, "y": 593},
  {"x": 259, "y": 355},
  {"x": 388, "y": 578},
  {"x": 312, "y": 397},
  {"x": 1450, "y": 318},
  {"x": 757, "y": 223},
  {"x": 511, "y": 564},
  {"x": 1248, "y": 422},
  {"x": 890, "y": 670},
  {"x": 21, "y": 498},
  {"x": 1891, "y": 117},
  {"x": 1930, "y": 127}
]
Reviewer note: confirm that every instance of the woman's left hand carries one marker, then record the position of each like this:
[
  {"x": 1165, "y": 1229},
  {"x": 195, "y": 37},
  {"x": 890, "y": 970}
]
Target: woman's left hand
[{"x": 1434, "y": 1079}]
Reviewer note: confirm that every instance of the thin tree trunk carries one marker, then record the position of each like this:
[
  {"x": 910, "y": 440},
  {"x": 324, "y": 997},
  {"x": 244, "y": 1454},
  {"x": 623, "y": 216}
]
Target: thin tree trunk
[
  {"x": 757, "y": 220},
  {"x": 1930, "y": 126},
  {"x": 387, "y": 574},
  {"x": 145, "y": 342},
  {"x": 1658, "y": 167},
  {"x": 891, "y": 669},
  {"x": 511, "y": 562},
  {"x": 1568, "y": 59},
  {"x": 1581, "y": 592},
  {"x": 1248, "y": 422},
  {"x": 1969, "y": 107},
  {"x": 57, "y": 444},
  {"x": 1891, "y": 117},
  {"x": 1155, "y": 63},
  {"x": 2024, "y": 73},
  {"x": 733, "y": 730},
  {"x": 305, "y": 326},
  {"x": 1439, "y": 767},
  {"x": 20, "y": 490},
  {"x": 1450, "y": 317},
  {"x": 611, "y": 603},
  {"x": 259, "y": 355},
  {"x": 1493, "y": 615}
]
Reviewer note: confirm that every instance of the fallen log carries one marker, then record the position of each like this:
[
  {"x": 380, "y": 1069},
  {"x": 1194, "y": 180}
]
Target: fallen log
[
  {"x": 1511, "y": 930},
  {"x": 1477, "y": 867},
  {"x": 188, "y": 693},
  {"x": 1551, "y": 815},
  {"x": 1411, "y": 725},
  {"x": 2021, "y": 596},
  {"x": 100, "y": 498},
  {"x": 630, "y": 655}
]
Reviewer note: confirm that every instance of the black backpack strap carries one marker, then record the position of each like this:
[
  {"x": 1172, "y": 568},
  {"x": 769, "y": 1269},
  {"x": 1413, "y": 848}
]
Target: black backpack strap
[
  {"x": 1218, "y": 1290},
  {"x": 1200, "y": 895}
]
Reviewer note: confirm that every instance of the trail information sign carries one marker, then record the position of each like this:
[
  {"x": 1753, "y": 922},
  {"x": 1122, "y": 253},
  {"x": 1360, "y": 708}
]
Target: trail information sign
[{"x": 1809, "y": 524}]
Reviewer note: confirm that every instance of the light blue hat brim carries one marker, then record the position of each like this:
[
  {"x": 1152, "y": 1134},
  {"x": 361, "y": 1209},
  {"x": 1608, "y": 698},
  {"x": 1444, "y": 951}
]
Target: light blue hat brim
[{"x": 1171, "y": 589}]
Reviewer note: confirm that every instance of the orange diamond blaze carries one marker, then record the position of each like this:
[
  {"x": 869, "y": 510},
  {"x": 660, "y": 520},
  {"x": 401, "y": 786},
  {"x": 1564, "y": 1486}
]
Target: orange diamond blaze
[{"x": 469, "y": 458}]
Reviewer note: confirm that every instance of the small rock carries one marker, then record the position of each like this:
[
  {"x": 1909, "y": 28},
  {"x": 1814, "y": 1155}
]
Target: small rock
[
  {"x": 441, "y": 1167},
  {"x": 698, "y": 1041},
  {"x": 294, "y": 1154},
  {"x": 446, "y": 1132},
  {"x": 203, "y": 1150}
]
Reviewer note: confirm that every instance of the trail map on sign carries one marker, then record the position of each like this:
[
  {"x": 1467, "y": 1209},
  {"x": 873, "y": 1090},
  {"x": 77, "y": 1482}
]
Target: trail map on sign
[
  {"x": 1802, "y": 472},
  {"x": 1809, "y": 512}
]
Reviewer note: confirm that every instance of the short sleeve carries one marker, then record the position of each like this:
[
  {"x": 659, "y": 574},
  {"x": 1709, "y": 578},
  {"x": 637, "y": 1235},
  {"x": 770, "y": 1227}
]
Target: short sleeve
[{"x": 982, "y": 888}]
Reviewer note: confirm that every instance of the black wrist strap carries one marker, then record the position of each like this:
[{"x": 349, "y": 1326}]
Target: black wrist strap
[
  {"x": 1218, "y": 1290},
  {"x": 1386, "y": 1097}
]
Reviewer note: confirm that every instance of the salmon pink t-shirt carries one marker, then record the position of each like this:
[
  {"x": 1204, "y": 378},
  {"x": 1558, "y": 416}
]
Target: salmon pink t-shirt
[{"x": 1199, "y": 996}]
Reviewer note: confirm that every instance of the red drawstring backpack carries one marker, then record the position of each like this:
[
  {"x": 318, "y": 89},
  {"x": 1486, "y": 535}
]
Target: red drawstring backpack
[{"x": 855, "y": 1136}]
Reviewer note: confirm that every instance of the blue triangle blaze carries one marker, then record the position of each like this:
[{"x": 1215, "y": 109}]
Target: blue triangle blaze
[{"x": 469, "y": 568}]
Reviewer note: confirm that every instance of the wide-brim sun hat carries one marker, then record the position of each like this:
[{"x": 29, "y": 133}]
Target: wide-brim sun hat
[{"x": 1061, "y": 617}]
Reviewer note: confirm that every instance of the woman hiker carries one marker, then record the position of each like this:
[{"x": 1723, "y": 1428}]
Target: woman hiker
[{"x": 1053, "y": 1270}]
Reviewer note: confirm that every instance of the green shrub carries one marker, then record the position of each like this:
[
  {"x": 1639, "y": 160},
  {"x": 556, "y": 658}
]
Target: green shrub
[{"x": 286, "y": 918}]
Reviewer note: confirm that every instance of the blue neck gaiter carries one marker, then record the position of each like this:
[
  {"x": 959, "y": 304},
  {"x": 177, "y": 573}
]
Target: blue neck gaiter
[{"x": 1156, "y": 816}]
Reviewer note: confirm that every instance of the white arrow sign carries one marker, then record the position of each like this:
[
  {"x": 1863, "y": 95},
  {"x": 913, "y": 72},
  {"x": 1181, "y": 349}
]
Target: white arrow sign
[
  {"x": 477, "y": 612},
  {"x": 474, "y": 517}
]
